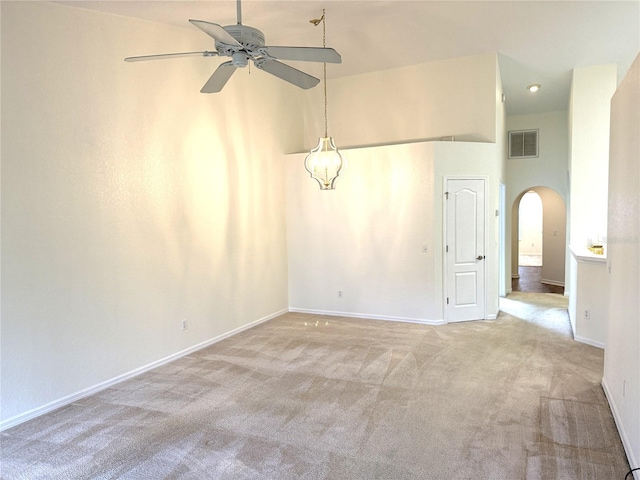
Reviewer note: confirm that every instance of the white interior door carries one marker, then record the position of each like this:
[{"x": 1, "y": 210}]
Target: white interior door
[{"x": 465, "y": 249}]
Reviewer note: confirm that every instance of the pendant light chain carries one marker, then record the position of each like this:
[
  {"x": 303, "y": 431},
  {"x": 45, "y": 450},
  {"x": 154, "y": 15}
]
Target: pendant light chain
[{"x": 324, "y": 66}]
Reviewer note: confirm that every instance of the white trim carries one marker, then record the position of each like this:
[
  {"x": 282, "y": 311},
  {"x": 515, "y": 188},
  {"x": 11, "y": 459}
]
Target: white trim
[
  {"x": 367, "y": 316},
  {"x": 552, "y": 282},
  {"x": 61, "y": 402},
  {"x": 502, "y": 240},
  {"x": 633, "y": 462},
  {"x": 586, "y": 341}
]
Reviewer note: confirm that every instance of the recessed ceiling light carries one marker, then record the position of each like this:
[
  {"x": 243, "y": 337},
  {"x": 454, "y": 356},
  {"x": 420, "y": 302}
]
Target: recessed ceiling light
[{"x": 534, "y": 87}]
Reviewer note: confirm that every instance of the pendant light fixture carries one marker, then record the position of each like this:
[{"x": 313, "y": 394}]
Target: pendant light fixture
[{"x": 324, "y": 162}]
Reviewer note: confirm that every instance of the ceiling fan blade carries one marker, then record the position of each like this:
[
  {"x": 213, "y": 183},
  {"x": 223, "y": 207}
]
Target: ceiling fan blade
[
  {"x": 287, "y": 73},
  {"x": 161, "y": 56},
  {"x": 219, "y": 78},
  {"x": 216, "y": 32},
  {"x": 304, "y": 54}
]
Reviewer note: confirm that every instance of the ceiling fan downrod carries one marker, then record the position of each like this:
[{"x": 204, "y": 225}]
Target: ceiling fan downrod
[{"x": 239, "y": 12}]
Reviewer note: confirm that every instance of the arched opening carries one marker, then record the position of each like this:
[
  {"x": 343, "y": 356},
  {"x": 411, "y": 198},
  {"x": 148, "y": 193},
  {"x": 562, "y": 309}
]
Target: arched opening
[
  {"x": 530, "y": 239},
  {"x": 549, "y": 238}
]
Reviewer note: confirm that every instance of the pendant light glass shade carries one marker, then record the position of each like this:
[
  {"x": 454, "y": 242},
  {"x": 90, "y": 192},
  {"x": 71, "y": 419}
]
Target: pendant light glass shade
[{"x": 324, "y": 163}]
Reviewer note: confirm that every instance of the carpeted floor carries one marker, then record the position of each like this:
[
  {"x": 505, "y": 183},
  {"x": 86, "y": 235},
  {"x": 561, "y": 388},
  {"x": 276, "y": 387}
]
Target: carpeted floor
[{"x": 311, "y": 397}]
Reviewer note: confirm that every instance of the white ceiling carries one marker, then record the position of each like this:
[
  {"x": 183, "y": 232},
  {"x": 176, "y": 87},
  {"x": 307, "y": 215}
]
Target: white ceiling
[{"x": 537, "y": 41}]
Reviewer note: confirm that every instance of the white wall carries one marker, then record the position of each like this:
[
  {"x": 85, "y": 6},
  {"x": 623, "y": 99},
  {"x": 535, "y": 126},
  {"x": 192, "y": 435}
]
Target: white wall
[
  {"x": 588, "y": 287},
  {"x": 130, "y": 201},
  {"x": 549, "y": 170},
  {"x": 421, "y": 102},
  {"x": 589, "y": 109},
  {"x": 554, "y": 236},
  {"x": 501, "y": 151},
  {"x": 366, "y": 238},
  {"x": 589, "y": 119},
  {"x": 463, "y": 159},
  {"x": 622, "y": 355}
]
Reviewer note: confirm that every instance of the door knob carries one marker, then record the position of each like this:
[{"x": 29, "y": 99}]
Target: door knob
[{"x": 480, "y": 257}]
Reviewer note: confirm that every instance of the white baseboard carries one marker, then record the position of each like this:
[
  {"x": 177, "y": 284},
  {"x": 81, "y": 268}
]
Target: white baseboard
[
  {"x": 587, "y": 341},
  {"x": 367, "y": 316},
  {"x": 61, "y": 402},
  {"x": 633, "y": 462},
  {"x": 555, "y": 283}
]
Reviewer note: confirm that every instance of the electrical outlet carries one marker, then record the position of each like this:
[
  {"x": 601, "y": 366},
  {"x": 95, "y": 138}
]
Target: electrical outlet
[
  {"x": 184, "y": 324},
  {"x": 587, "y": 314},
  {"x": 339, "y": 293}
]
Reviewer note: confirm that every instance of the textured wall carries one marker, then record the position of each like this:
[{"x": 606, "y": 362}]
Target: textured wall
[
  {"x": 366, "y": 238},
  {"x": 589, "y": 111},
  {"x": 622, "y": 356},
  {"x": 130, "y": 201},
  {"x": 421, "y": 102}
]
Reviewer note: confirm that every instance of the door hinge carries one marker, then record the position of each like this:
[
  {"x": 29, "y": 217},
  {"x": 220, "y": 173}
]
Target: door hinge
[
  {"x": 447, "y": 249},
  {"x": 447, "y": 300},
  {"x": 446, "y": 194}
]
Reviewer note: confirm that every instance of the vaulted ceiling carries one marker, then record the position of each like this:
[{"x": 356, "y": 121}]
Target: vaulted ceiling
[{"x": 537, "y": 41}]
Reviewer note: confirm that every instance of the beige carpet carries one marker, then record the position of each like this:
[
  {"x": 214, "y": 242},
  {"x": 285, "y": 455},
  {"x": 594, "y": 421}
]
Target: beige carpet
[{"x": 309, "y": 397}]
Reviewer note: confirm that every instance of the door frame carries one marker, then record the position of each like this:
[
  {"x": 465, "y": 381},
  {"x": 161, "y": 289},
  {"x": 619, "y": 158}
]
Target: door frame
[{"x": 445, "y": 272}]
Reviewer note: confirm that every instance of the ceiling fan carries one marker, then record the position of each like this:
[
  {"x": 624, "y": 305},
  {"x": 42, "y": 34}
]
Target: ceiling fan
[{"x": 243, "y": 43}]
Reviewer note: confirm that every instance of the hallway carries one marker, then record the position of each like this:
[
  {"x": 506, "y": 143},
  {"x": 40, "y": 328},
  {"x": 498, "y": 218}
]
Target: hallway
[{"x": 530, "y": 281}]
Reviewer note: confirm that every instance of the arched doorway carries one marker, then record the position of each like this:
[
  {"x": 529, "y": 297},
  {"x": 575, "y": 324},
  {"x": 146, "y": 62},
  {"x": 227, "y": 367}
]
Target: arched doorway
[
  {"x": 530, "y": 240},
  {"x": 550, "y": 274}
]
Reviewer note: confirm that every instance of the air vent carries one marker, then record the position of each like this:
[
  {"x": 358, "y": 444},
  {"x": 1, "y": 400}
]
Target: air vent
[{"x": 523, "y": 144}]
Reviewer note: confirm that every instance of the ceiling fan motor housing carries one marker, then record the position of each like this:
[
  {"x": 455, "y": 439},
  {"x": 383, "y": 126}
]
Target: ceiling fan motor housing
[{"x": 249, "y": 37}]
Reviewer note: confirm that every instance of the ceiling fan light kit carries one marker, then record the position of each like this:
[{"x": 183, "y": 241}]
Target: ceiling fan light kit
[
  {"x": 243, "y": 43},
  {"x": 324, "y": 163}
]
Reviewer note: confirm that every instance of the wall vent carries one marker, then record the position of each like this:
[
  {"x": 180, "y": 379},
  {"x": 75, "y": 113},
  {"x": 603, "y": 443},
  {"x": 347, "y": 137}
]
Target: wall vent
[{"x": 523, "y": 144}]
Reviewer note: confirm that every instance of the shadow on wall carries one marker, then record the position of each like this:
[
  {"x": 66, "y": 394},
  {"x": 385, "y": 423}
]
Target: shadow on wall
[{"x": 554, "y": 245}]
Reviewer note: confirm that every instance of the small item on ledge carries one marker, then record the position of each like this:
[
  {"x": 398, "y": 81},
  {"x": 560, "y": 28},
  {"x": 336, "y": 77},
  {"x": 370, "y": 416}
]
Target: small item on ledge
[{"x": 597, "y": 249}]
